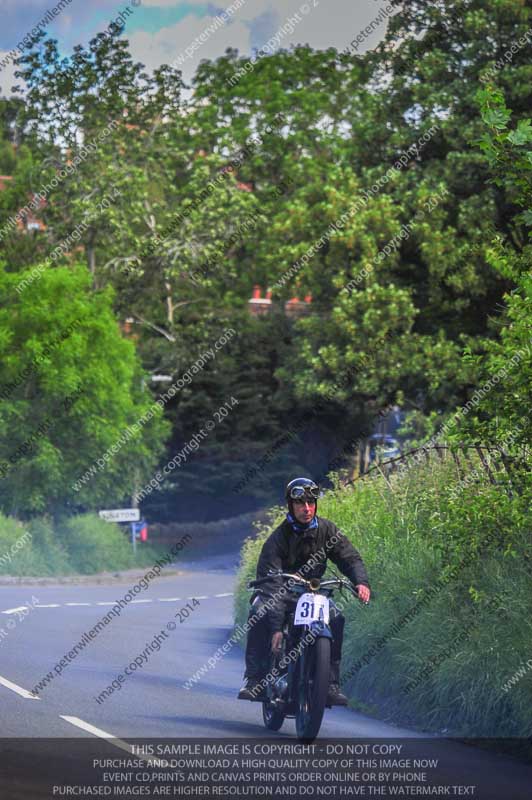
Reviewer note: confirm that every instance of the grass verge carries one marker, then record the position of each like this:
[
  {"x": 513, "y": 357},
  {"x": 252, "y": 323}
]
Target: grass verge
[{"x": 443, "y": 644}]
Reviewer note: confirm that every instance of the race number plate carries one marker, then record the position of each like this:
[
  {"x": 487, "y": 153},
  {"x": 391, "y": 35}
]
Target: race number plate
[{"x": 312, "y": 608}]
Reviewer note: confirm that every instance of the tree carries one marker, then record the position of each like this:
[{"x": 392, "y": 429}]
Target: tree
[
  {"x": 502, "y": 410},
  {"x": 352, "y": 179},
  {"x": 147, "y": 158},
  {"x": 70, "y": 387}
]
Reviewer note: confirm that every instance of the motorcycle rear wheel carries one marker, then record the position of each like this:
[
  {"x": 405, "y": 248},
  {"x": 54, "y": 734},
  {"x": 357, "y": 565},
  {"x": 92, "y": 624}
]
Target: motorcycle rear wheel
[{"x": 314, "y": 685}]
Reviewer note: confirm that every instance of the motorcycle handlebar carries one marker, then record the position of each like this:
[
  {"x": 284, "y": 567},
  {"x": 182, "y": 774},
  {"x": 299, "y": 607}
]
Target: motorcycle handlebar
[
  {"x": 337, "y": 582},
  {"x": 259, "y": 581}
]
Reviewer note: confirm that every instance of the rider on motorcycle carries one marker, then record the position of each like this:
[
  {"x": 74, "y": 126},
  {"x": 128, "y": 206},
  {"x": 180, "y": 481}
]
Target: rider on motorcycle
[{"x": 303, "y": 542}]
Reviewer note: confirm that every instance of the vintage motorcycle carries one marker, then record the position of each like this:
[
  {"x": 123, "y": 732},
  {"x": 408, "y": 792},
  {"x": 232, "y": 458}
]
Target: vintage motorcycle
[{"x": 299, "y": 675}]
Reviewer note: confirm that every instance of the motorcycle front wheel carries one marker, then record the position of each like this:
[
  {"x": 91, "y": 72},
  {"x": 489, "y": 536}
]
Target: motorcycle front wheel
[
  {"x": 273, "y": 719},
  {"x": 315, "y": 664}
]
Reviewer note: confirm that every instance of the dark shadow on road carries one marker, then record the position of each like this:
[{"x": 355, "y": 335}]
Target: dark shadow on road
[
  {"x": 213, "y": 689},
  {"x": 223, "y": 726},
  {"x": 176, "y": 685},
  {"x": 227, "y": 562}
]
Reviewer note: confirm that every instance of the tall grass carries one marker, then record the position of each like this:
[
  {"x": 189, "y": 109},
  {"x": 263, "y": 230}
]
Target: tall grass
[{"x": 461, "y": 644}]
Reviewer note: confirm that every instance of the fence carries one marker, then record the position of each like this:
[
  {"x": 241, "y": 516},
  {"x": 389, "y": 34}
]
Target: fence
[{"x": 467, "y": 458}]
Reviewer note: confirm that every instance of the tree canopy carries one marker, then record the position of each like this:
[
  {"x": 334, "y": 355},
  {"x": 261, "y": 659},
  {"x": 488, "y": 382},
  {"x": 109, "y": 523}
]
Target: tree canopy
[{"x": 375, "y": 185}]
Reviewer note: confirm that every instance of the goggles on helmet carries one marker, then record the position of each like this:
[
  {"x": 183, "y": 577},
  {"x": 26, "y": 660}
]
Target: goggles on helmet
[{"x": 310, "y": 493}]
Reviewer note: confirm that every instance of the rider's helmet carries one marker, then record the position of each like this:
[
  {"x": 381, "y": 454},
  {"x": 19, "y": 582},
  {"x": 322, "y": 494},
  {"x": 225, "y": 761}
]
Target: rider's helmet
[{"x": 301, "y": 489}]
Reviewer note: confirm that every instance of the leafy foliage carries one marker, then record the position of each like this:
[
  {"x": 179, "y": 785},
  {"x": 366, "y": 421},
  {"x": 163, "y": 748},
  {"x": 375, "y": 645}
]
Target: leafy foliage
[
  {"x": 188, "y": 200},
  {"x": 503, "y": 414},
  {"x": 71, "y": 385}
]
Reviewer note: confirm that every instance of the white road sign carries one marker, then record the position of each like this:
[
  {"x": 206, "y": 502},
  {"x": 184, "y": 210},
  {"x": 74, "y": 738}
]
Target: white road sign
[{"x": 120, "y": 515}]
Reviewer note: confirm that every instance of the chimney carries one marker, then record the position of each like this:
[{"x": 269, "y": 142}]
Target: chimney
[
  {"x": 259, "y": 305},
  {"x": 296, "y": 308}
]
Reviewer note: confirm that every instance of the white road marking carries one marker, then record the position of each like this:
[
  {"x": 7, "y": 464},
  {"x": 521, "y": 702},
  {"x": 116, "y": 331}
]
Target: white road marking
[
  {"x": 86, "y": 726},
  {"x": 18, "y": 689},
  {"x": 112, "y": 603}
]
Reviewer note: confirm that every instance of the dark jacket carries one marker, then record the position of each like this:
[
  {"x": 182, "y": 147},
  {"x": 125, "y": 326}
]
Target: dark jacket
[{"x": 290, "y": 551}]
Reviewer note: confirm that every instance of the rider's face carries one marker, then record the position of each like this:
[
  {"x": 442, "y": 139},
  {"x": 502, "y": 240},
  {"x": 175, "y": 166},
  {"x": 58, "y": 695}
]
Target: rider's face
[{"x": 304, "y": 511}]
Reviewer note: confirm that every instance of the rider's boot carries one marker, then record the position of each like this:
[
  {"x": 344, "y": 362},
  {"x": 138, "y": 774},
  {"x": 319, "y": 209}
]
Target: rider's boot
[
  {"x": 252, "y": 689},
  {"x": 335, "y": 697}
]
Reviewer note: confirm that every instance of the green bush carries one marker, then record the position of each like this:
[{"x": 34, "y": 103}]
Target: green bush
[
  {"x": 80, "y": 545},
  {"x": 94, "y": 545},
  {"x": 249, "y": 557},
  {"x": 30, "y": 549},
  {"x": 52, "y": 558},
  {"x": 455, "y": 557},
  {"x": 14, "y": 544}
]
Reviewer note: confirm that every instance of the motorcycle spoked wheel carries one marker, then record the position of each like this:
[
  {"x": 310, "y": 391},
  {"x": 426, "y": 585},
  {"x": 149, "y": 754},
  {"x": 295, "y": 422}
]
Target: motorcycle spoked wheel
[
  {"x": 315, "y": 664},
  {"x": 273, "y": 719}
]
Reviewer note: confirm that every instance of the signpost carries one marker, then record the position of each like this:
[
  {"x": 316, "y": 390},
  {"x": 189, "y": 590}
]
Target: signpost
[
  {"x": 131, "y": 515},
  {"x": 120, "y": 515}
]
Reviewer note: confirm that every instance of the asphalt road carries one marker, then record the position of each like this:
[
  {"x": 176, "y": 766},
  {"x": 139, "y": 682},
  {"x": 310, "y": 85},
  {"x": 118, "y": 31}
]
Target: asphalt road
[{"x": 153, "y": 702}]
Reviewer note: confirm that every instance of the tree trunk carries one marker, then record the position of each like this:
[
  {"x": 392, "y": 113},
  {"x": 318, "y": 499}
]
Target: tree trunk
[
  {"x": 169, "y": 304},
  {"x": 91, "y": 254}
]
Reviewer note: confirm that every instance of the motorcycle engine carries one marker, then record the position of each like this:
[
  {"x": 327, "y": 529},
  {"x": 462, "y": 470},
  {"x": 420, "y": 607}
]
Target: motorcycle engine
[{"x": 281, "y": 686}]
